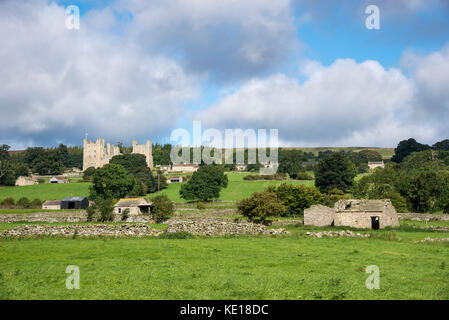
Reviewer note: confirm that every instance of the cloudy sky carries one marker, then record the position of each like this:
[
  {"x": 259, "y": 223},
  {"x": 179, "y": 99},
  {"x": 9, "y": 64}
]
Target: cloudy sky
[{"x": 140, "y": 69}]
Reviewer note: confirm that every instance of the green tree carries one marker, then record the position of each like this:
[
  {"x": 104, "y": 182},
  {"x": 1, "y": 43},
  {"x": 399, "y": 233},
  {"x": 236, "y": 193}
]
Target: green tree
[
  {"x": 296, "y": 198},
  {"x": 205, "y": 183},
  {"x": 261, "y": 205},
  {"x": 130, "y": 161},
  {"x": 111, "y": 181},
  {"x": 335, "y": 171},
  {"x": 162, "y": 208},
  {"x": 406, "y": 147}
]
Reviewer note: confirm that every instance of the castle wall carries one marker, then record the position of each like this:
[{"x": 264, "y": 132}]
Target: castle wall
[{"x": 145, "y": 149}]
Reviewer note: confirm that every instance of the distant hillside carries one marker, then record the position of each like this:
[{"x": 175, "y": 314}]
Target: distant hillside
[{"x": 386, "y": 153}]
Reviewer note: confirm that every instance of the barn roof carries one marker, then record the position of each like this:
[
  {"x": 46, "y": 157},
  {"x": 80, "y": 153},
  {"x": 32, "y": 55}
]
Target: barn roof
[
  {"x": 74, "y": 199},
  {"x": 132, "y": 202},
  {"x": 361, "y": 205}
]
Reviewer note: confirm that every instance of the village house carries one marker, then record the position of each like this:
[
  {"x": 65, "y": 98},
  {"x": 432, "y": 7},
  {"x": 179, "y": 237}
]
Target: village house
[
  {"x": 57, "y": 180},
  {"x": 376, "y": 164},
  {"x": 136, "y": 206},
  {"x": 368, "y": 214},
  {"x": 176, "y": 179},
  {"x": 241, "y": 166},
  {"x": 26, "y": 181},
  {"x": 184, "y": 167}
]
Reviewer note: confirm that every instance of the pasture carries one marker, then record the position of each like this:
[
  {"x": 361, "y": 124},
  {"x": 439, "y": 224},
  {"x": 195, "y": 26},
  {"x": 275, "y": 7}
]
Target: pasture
[{"x": 293, "y": 266}]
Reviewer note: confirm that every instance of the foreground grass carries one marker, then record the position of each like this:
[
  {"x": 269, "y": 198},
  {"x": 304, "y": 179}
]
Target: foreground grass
[{"x": 290, "y": 267}]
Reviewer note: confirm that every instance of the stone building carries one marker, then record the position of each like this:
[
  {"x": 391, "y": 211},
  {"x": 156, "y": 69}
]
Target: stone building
[
  {"x": 52, "y": 205},
  {"x": 136, "y": 206},
  {"x": 145, "y": 149},
  {"x": 319, "y": 215},
  {"x": 25, "y": 181},
  {"x": 369, "y": 214},
  {"x": 376, "y": 164},
  {"x": 184, "y": 167},
  {"x": 96, "y": 155}
]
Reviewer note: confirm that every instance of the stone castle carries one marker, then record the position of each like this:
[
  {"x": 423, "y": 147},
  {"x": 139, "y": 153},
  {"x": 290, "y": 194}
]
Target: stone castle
[{"x": 96, "y": 155}]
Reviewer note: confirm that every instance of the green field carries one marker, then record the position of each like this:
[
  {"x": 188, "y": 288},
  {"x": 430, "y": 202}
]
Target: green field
[
  {"x": 237, "y": 188},
  {"x": 47, "y": 191},
  {"x": 240, "y": 267}
]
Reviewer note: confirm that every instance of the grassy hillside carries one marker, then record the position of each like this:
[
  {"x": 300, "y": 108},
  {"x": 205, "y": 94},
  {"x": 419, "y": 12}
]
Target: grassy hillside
[
  {"x": 237, "y": 188},
  {"x": 47, "y": 191}
]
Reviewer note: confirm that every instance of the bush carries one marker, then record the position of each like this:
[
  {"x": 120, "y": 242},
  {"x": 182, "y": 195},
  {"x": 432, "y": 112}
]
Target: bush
[
  {"x": 106, "y": 208},
  {"x": 36, "y": 203},
  {"x": 23, "y": 203},
  {"x": 303, "y": 176},
  {"x": 125, "y": 214},
  {"x": 296, "y": 198},
  {"x": 91, "y": 212},
  {"x": 333, "y": 196},
  {"x": 276, "y": 176},
  {"x": 200, "y": 205},
  {"x": 88, "y": 174},
  {"x": 8, "y": 203},
  {"x": 162, "y": 208},
  {"x": 261, "y": 205}
]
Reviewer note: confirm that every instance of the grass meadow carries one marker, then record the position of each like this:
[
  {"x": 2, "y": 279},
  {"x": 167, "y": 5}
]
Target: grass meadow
[{"x": 294, "y": 266}]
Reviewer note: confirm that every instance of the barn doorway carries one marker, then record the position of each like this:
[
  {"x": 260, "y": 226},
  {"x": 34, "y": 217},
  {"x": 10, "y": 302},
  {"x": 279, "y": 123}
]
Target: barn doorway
[
  {"x": 71, "y": 205},
  {"x": 375, "y": 223}
]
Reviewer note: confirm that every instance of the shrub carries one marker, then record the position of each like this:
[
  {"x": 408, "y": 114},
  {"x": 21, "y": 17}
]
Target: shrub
[
  {"x": 261, "y": 205},
  {"x": 200, "y": 205},
  {"x": 23, "y": 203},
  {"x": 333, "y": 196},
  {"x": 276, "y": 176},
  {"x": 398, "y": 201},
  {"x": 303, "y": 176},
  {"x": 36, "y": 203},
  {"x": 296, "y": 198},
  {"x": 106, "y": 208},
  {"x": 8, "y": 202},
  {"x": 162, "y": 208},
  {"x": 125, "y": 214},
  {"x": 91, "y": 212}
]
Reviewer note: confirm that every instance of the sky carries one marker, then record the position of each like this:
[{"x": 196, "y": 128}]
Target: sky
[{"x": 137, "y": 70}]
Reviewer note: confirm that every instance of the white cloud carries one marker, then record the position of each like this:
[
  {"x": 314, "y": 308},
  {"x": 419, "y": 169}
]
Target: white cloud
[
  {"x": 59, "y": 82},
  {"x": 344, "y": 104}
]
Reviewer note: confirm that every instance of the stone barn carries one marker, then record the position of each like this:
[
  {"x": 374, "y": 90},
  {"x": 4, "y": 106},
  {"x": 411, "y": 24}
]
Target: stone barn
[
  {"x": 370, "y": 214},
  {"x": 52, "y": 205},
  {"x": 75, "y": 203},
  {"x": 318, "y": 215},
  {"x": 136, "y": 206}
]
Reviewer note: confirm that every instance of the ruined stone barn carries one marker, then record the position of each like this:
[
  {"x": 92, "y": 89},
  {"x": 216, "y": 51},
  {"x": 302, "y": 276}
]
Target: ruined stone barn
[
  {"x": 367, "y": 214},
  {"x": 370, "y": 214},
  {"x": 319, "y": 215},
  {"x": 136, "y": 206}
]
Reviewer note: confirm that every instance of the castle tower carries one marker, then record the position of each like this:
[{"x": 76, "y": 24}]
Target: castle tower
[
  {"x": 145, "y": 149},
  {"x": 96, "y": 155}
]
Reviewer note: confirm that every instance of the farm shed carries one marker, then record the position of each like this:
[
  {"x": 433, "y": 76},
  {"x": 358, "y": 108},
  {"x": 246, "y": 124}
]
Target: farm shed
[
  {"x": 136, "y": 206},
  {"x": 52, "y": 205},
  {"x": 75, "y": 203}
]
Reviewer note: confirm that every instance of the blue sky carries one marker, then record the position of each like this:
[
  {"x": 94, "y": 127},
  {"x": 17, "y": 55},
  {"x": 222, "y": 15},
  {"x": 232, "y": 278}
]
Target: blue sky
[{"x": 139, "y": 69}]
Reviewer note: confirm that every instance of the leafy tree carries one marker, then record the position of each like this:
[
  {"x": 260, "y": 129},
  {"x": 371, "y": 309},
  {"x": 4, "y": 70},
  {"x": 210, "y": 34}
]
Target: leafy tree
[
  {"x": 161, "y": 154},
  {"x": 290, "y": 161},
  {"x": 162, "y": 208},
  {"x": 106, "y": 209},
  {"x": 296, "y": 198},
  {"x": 334, "y": 171},
  {"x": 261, "y": 205},
  {"x": 131, "y": 161},
  {"x": 442, "y": 145},
  {"x": 4, "y": 154},
  {"x": 205, "y": 183},
  {"x": 406, "y": 147},
  {"x": 88, "y": 174},
  {"x": 111, "y": 181},
  {"x": 47, "y": 163}
]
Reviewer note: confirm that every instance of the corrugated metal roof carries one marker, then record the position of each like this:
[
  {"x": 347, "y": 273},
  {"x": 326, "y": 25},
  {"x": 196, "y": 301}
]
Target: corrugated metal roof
[{"x": 74, "y": 199}]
